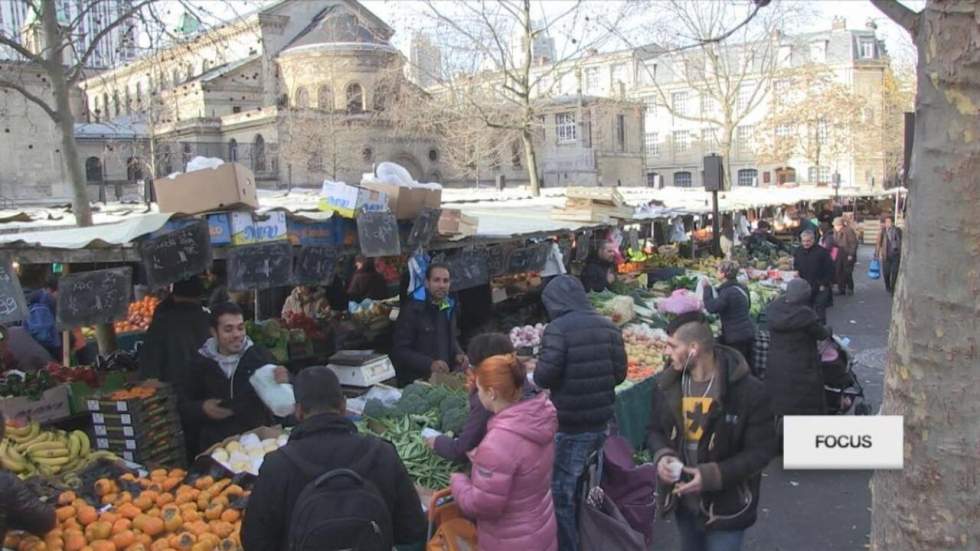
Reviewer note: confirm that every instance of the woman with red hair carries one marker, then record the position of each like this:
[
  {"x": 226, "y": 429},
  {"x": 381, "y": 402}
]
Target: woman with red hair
[{"x": 508, "y": 492}]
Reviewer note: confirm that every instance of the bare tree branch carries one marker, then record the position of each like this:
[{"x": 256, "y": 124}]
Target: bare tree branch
[
  {"x": 906, "y": 17},
  {"x": 76, "y": 72},
  {"x": 4, "y": 83},
  {"x": 10, "y": 43}
]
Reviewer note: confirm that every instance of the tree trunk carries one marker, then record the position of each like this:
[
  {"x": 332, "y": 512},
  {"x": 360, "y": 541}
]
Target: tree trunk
[
  {"x": 531, "y": 158},
  {"x": 55, "y": 68},
  {"x": 934, "y": 364}
]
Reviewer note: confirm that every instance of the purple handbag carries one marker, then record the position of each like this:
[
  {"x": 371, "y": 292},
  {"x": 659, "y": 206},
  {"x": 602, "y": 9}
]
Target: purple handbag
[
  {"x": 630, "y": 486},
  {"x": 601, "y": 526}
]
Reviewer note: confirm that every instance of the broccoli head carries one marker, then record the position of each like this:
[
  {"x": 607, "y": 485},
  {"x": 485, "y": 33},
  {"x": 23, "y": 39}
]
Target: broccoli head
[
  {"x": 454, "y": 419},
  {"x": 411, "y": 404},
  {"x": 454, "y": 401},
  {"x": 375, "y": 409}
]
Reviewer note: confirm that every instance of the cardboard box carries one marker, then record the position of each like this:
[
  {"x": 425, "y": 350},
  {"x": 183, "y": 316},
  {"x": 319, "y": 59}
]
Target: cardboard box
[
  {"x": 454, "y": 222},
  {"x": 311, "y": 234},
  {"x": 248, "y": 228},
  {"x": 406, "y": 202},
  {"x": 347, "y": 200},
  {"x": 229, "y": 185},
  {"x": 219, "y": 226},
  {"x": 54, "y": 405},
  {"x": 263, "y": 433}
]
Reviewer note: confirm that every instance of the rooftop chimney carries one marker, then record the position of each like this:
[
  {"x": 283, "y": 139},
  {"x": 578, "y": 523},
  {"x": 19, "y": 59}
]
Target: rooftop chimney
[{"x": 839, "y": 23}]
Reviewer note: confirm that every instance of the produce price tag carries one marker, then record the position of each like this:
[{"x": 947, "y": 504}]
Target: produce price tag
[
  {"x": 100, "y": 430},
  {"x": 122, "y": 406}
]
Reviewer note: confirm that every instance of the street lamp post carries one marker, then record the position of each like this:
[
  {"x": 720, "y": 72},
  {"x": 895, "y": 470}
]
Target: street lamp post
[{"x": 836, "y": 187}]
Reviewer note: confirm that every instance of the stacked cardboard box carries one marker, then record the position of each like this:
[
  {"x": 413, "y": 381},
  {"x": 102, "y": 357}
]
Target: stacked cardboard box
[
  {"x": 452, "y": 222},
  {"x": 145, "y": 431},
  {"x": 600, "y": 205}
]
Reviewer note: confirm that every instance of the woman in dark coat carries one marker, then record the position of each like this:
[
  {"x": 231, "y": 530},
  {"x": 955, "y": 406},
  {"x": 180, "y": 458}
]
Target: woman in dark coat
[
  {"x": 732, "y": 302},
  {"x": 794, "y": 379}
]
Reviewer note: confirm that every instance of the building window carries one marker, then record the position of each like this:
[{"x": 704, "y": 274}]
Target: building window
[
  {"x": 176, "y": 77},
  {"x": 748, "y": 177},
  {"x": 708, "y": 104},
  {"x": 784, "y": 131},
  {"x": 324, "y": 98},
  {"x": 565, "y": 128},
  {"x": 367, "y": 154},
  {"x": 744, "y": 97},
  {"x": 682, "y": 141},
  {"x": 679, "y": 101},
  {"x": 709, "y": 137},
  {"x": 302, "y": 98},
  {"x": 233, "y": 150},
  {"x": 618, "y": 73},
  {"x": 652, "y": 178},
  {"x": 355, "y": 98},
  {"x": 258, "y": 154},
  {"x": 621, "y": 132},
  {"x": 592, "y": 79},
  {"x": 822, "y": 132},
  {"x": 315, "y": 162},
  {"x": 544, "y": 86},
  {"x": 236, "y": 109},
  {"x": 653, "y": 144},
  {"x": 115, "y": 103},
  {"x": 380, "y": 98},
  {"x": 818, "y": 51},
  {"x": 744, "y": 135},
  {"x": 134, "y": 169},
  {"x": 433, "y": 155},
  {"x": 139, "y": 93},
  {"x": 682, "y": 179},
  {"x": 651, "y": 110},
  {"x": 818, "y": 175},
  {"x": 867, "y": 49},
  {"x": 93, "y": 170}
]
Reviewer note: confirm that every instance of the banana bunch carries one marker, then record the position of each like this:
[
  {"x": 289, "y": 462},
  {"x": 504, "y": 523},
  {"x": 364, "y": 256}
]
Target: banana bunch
[{"x": 28, "y": 450}]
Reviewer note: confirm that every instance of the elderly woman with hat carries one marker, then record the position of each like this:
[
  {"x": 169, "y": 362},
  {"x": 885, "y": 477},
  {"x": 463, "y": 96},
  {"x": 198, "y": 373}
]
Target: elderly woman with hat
[
  {"x": 794, "y": 378},
  {"x": 731, "y": 301}
]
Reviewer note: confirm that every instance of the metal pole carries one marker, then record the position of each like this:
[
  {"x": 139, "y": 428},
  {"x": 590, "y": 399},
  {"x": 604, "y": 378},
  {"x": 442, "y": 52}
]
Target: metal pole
[{"x": 715, "y": 224}]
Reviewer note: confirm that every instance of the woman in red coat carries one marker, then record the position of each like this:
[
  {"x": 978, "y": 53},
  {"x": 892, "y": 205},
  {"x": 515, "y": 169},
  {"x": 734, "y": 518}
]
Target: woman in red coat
[{"x": 508, "y": 492}]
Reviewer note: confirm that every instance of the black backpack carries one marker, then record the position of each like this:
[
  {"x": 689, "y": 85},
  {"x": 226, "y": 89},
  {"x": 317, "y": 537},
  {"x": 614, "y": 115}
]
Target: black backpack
[{"x": 338, "y": 511}]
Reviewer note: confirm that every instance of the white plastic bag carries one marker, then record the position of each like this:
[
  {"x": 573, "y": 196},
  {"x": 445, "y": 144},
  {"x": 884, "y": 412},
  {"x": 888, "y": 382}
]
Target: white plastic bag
[
  {"x": 202, "y": 163},
  {"x": 277, "y": 397},
  {"x": 393, "y": 173}
]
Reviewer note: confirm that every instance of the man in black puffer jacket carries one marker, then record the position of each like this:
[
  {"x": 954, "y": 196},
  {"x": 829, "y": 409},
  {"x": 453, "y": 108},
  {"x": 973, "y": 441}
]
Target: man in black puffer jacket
[
  {"x": 582, "y": 360},
  {"x": 712, "y": 416}
]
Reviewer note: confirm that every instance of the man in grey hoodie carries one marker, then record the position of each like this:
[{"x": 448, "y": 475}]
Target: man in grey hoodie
[{"x": 215, "y": 394}]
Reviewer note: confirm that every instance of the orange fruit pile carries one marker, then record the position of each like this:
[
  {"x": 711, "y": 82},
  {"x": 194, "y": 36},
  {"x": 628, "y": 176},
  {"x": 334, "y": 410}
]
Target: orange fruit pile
[
  {"x": 166, "y": 515},
  {"x": 139, "y": 316}
]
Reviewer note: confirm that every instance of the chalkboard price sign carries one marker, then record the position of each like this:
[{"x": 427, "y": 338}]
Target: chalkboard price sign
[
  {"x": 541, "y": 253},
  {"x": 315, "y": 265},
  {"x": 13, "y": 307},
  {"x": 425, "y": 227},
  {"x": 468, "y": 269},
  {"x": 101, "y": 296},
  {"x": 634, "y": 239},
  {"x": 497, "y": 260},
  {"x": 260, "y": 266},
  {"x": 177, "y": 255},
  {"x": 377, "y": 233}
]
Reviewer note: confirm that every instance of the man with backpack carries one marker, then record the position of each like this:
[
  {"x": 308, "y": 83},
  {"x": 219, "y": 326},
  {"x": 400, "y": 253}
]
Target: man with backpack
[
  {"x": 41, "y": 317},
  {"x": 331, "y": 488}
]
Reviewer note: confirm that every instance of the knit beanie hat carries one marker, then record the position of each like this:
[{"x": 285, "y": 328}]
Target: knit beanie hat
[{"x": 798, "y": 291}]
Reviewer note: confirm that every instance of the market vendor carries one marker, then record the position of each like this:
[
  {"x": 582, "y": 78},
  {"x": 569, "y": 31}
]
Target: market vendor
[
  {"x": 180, "y": 326},
  {"x": 215, "y": 393},
  {"x": 367, "y": 282},
  {"x": 426, "y": 335},
  {"x": 600, "y": 268},
  {"x": 20, "y": 507},
  {"x": 306, "y": 301}
]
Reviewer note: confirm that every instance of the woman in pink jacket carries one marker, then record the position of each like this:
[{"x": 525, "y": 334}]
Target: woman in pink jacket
[{"x": 509, "y": 490}]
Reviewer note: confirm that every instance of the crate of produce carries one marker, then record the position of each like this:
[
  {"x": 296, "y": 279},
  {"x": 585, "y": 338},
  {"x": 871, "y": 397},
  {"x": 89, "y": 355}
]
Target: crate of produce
[
  {"x": 80, "y": 392},
  {"x": 140, "y": 401}
]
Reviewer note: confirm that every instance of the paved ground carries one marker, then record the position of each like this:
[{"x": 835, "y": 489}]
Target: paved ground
[{"x": 823, "y": 510}]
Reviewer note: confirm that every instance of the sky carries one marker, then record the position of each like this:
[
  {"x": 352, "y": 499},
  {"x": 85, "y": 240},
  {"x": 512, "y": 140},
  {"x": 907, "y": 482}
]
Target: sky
[{"x": 404, "y": 16}]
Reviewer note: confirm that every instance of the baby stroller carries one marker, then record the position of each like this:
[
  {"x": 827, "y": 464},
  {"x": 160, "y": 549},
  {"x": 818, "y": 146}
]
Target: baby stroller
[{"x": 842, "y": 388}]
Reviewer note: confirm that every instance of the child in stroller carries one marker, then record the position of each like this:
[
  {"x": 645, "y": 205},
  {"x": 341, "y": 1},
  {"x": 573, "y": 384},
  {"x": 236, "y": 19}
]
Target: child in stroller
[{"x": 841, "y": 386}]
